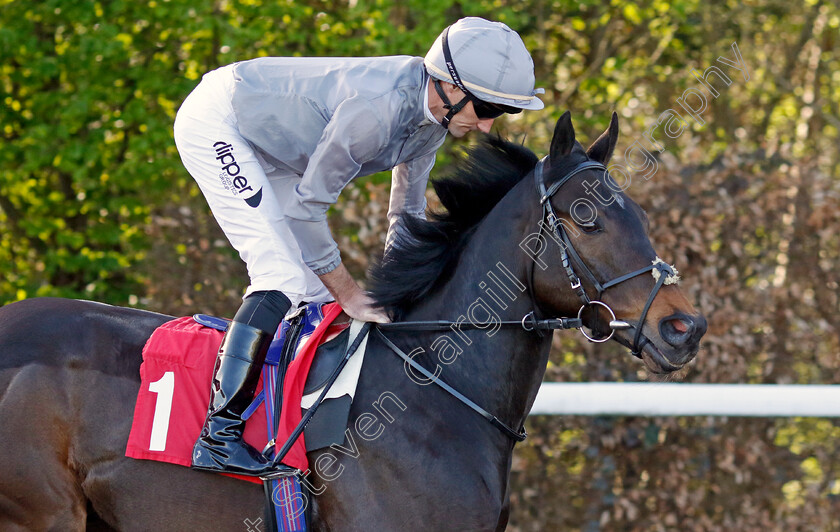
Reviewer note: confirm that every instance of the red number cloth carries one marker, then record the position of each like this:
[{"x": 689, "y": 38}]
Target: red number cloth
[{"x": 188, "y": 350}]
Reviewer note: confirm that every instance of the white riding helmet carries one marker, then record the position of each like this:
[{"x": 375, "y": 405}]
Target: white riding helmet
[{"x": 488, "y": 60}]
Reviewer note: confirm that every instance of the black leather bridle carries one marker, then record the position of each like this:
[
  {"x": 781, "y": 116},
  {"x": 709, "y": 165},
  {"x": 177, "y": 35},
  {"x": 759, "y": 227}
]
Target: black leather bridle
[{"x": 568, "y": 255}]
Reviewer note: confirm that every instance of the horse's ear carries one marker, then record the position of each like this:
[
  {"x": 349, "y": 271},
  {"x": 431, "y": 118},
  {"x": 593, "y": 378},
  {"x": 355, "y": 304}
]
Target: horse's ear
[
  {"x": 602, "y": 149},
  {"x": 564, "y": 137}
]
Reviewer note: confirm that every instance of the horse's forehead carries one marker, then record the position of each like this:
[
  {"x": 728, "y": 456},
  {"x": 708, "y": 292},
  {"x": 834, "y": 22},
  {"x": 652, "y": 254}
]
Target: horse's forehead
[
  {"x": 614, "y": 198},
  {"x": 594, "y": 187},
  {"x": 609, "y": 194}
]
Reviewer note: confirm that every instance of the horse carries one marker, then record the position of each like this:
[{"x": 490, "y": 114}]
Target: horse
[{"x": 414, "y": 456}]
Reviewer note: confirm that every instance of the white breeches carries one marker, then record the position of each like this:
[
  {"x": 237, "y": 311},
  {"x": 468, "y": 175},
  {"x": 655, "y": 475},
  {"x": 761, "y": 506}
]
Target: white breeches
[{"x": 247, "y": 196}]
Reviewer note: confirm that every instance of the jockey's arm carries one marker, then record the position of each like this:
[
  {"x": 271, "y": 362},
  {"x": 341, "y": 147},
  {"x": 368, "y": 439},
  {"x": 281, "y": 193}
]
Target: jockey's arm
[
  {"x": 408, "y": 192},
  {"x": 354, "y": 135}
]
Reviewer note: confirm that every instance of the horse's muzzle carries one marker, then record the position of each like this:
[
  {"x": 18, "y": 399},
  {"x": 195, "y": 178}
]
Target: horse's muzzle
[{"x": 680, "y": 336}]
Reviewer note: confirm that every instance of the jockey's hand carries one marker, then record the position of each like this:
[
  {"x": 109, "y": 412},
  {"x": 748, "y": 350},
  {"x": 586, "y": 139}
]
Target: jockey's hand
[
  {"x": 347, "y": 293},
  {"x": 362, "y": 308}
]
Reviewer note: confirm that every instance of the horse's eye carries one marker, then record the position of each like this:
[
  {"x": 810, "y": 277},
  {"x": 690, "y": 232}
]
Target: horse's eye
[{"x": 590, "y": 227}]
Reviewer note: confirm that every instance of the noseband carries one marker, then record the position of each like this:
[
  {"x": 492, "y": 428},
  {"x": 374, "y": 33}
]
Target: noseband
[{"x": 568, "y": 255}]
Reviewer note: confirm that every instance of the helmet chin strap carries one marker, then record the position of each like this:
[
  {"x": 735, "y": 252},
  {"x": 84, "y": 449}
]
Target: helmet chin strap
[{"x": 453, "y": 109}]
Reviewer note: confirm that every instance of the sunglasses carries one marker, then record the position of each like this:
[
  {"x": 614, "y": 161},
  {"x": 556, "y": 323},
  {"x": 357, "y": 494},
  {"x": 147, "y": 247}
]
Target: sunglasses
[{"x": 485, "y": 110}]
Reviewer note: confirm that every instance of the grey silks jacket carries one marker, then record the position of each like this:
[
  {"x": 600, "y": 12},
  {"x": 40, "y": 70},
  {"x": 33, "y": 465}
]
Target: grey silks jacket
[{"x": 330, "y": 120}]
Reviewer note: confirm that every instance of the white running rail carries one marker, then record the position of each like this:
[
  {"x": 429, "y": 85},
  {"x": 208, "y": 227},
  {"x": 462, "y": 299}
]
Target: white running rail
[{"x": 673, "y": 399}]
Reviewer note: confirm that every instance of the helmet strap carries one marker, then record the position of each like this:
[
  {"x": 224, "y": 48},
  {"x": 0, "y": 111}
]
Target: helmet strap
[
  {"x": 450, "y": 64},
  {"x": 453, "y": 109},
  {"x": 456, "y": 79}
]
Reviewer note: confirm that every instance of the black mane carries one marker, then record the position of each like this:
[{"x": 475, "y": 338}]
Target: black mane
[{"x": 426, "y": 251}]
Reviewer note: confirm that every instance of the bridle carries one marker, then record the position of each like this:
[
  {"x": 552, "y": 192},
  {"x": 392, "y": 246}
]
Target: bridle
[{"x": 568, "y": 255}]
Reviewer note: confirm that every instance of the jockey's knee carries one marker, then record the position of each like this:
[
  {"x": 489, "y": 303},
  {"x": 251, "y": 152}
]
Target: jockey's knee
[{"x": 264, "y": 310}]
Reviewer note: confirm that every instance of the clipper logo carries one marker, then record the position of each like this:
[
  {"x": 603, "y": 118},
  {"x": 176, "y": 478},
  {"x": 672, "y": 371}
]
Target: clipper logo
[{"x": 238, "y": 184}]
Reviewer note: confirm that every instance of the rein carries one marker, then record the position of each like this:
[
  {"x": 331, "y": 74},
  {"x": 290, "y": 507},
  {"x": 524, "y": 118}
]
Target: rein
[
  {"x": 519, "y": 435},
  {"x": 529, "y": 322}
]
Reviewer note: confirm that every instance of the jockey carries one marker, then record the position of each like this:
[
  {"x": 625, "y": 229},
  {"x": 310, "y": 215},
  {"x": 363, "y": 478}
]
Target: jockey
[{"x": 272, "y": 142}]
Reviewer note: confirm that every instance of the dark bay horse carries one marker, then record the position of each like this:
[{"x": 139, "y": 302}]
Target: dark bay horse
[{"x": 414, "y": 458}]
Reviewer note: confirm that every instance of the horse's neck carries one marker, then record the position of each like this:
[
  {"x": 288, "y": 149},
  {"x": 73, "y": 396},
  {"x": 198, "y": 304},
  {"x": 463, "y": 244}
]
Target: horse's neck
[{"x": 500, "y": 367}]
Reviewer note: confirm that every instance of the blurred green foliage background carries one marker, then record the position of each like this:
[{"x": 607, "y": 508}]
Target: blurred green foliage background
[{"x": 95, "y": 204}]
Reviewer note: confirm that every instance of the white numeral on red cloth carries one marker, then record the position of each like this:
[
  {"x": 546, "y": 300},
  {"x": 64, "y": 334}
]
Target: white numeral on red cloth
[{"x": 163, "y": 407}]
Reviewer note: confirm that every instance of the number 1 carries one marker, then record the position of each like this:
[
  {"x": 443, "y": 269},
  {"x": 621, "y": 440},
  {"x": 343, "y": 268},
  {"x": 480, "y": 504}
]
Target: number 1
[{"x": 165, "y": 388}]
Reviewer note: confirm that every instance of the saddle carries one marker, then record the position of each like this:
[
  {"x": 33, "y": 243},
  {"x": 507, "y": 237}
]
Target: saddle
[
  {"x": 291, "y": 337},
  {"x": 177, "y": 369}
]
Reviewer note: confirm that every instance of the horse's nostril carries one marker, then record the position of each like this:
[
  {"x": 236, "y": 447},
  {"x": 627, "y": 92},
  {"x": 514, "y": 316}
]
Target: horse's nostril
[
  {"x": 680, "y": 326},
  {"x": 676, "y": 330}
]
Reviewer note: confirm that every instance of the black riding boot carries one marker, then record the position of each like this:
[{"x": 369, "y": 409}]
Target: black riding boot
[{"x": 220, "y": 447}]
